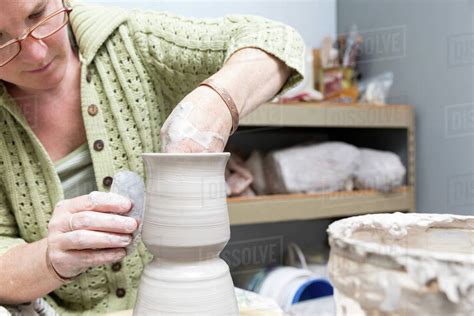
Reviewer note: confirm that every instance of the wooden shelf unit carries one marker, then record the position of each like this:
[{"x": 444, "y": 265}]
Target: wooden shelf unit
[
  {"x": 278, "y": 208},
  {"x": 331, "y": 115}
]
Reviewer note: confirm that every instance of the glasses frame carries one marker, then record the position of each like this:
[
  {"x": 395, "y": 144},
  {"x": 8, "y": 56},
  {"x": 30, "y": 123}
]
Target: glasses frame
[{"x": 29, "y": 32}]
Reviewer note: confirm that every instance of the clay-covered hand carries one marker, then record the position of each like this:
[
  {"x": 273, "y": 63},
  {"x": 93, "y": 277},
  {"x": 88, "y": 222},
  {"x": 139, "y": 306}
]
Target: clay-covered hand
[
  {"x": 201, "y": 122},
  {"x": 88, "y": 231}
]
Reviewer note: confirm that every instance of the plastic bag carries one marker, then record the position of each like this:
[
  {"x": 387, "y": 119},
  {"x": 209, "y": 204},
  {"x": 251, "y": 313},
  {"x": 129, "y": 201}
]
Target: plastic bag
[
  {"x": 375, "y": 90},
  {"x": 379, "y": 170},
  {"x": 326, "y": 167}
]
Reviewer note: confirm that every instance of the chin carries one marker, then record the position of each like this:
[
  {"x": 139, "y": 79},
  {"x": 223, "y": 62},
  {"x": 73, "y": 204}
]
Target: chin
[{"x": 47, "y": 81}]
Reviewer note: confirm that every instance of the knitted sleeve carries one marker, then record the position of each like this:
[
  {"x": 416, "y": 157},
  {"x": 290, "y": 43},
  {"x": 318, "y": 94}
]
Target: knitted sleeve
[
  {"x": 8, "y": 228},
  {"x": 181, "y": 52}
]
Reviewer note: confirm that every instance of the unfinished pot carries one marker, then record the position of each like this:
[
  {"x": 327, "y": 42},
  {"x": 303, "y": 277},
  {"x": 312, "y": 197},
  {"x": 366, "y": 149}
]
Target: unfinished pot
[
  {"x": 403, "y": 264},
  {"x": 186, "y": 226}
]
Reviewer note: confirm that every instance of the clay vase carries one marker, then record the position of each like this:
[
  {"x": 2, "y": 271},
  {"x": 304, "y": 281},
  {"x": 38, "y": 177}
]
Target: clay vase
[{"x": 186, "y": 226}]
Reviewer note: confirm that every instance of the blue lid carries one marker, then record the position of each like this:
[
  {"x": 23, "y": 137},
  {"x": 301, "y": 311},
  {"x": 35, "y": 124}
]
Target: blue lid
[{"x": 311, "y": 289}]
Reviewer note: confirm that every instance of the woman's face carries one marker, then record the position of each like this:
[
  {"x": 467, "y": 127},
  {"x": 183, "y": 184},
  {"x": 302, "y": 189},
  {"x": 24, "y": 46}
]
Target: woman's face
[{"x": 41, "y": 64}]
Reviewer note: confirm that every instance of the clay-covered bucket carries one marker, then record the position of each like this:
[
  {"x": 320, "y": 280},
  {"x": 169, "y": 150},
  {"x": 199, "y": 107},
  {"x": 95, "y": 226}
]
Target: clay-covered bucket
[{"x": 403, "y": 264}]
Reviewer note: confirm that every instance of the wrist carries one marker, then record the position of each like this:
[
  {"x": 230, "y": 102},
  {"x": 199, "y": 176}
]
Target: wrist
[
  {"x": 227, "y": 99},
  {"x": 222, "y": 120}
]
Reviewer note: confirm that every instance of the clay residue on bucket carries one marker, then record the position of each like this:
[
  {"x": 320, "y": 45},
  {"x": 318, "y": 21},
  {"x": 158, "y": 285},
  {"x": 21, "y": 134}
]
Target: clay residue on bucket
[
  {"x": 434, "y": 251},
  {"x": 433, "y": 232}
]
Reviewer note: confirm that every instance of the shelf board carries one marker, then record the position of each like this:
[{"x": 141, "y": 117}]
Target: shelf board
[
  {"x": 314, "y": 114},
  {"x": 292, "y": 207}
]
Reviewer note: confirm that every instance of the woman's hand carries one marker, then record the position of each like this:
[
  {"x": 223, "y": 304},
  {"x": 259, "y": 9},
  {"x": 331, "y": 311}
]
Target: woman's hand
[
  {"x": 201, "y": 122},
  {"x": 85, "y": 232}
]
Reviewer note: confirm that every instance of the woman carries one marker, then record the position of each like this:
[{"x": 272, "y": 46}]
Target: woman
[{"x": 71, "y": 114}]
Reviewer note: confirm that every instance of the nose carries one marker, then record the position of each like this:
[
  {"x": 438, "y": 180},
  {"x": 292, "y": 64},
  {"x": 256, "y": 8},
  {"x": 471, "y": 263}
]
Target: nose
[{"x": 33, "y": 51}]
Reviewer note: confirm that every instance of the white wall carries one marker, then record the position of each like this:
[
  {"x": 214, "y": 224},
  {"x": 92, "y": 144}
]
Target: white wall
[
  {"x": 432, "y": 59},
  {"x": 314, "y": 19}
]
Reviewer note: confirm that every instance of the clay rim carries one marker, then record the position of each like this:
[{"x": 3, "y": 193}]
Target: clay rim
[{"x": 340, "y": 237}]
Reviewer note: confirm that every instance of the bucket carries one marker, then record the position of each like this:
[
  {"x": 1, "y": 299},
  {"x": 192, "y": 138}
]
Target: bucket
[
  {"x": 403, "y": 264},
  {"x": 290, "y": 285}
]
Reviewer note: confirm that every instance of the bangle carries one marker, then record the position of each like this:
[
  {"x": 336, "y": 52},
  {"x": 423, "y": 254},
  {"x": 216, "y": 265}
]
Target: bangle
[
  {"x": 234, "y": 113},
  {"x": 53, "y": 271}
]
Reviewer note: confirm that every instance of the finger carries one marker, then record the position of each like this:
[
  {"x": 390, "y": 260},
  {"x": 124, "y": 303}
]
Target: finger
[
  {"x": 92, "y": 258},
  {"x": 97, "y": 201},
  {"x": 89, "y": 220},
  {"x": 88, "y": 239}
]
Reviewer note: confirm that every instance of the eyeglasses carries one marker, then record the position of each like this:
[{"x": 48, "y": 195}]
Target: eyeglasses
[{"x": 43, "y": 29}]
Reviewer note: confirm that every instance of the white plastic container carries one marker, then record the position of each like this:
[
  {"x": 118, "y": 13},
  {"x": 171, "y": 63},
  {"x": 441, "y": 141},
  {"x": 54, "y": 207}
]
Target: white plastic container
[{"x": 290, "y": 285}]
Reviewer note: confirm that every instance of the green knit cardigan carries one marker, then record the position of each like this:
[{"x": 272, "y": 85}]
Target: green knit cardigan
[{"x": 135, "y": 67}]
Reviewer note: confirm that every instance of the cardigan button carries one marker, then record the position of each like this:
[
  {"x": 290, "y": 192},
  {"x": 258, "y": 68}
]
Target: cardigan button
[
  {"x": 98, "y": 145},
  {"x": 120, "y": 292},
  {"x": 107, "y": 181},
  {"x": 88, "y": 76},
  {"x": 92, "y": 110},
  {"x": 116, "y": 267}
]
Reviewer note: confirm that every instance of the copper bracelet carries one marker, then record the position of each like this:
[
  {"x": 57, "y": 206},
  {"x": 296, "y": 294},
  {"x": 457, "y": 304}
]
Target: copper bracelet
[{"x": 227, "y": 100}]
